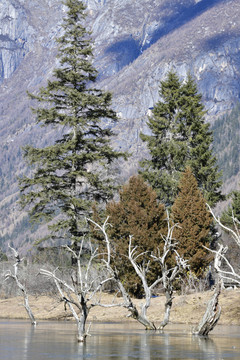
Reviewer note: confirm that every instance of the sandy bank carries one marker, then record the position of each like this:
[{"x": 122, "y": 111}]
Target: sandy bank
[{"x": 187, "y": 309}]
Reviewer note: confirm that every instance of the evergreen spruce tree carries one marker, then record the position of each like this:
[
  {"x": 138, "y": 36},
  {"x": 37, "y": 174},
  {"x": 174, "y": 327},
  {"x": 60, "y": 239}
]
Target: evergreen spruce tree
[
  {"x": 72, "y": 172},
  {"x": 189, "y": 211},
  {"x": 139, "y": 214},
  {"x": 180, "y": 137}
]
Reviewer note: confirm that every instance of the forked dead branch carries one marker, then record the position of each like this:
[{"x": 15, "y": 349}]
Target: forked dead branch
[{"x": 82, "y": 292}]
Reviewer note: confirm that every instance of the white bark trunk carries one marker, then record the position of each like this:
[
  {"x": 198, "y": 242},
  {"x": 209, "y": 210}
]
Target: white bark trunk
[
  {"x": 20, "y": 285},
  {"x": 168, "y": 306},
  {"x": 29, "y": 310},
  {"x": 169, "y": 274},
  {"x": 81, "y": 324},
  {"x": 81, "y": 295},
  {"x": 135, "y": 314},
  {"x": 80, "y": 321},
  {"x": 212, "y": 314},
  {"x": 213, "y": 311}
]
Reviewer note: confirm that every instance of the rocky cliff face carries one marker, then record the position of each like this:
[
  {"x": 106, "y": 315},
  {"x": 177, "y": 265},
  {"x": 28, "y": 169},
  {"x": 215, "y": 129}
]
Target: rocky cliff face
[
  {"x": 15, "y": 34},
  {"x": 136, "y": 44}
]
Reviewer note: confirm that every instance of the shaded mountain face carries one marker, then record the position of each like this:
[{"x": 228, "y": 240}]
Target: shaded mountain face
[{"x": 135, "y": 44}]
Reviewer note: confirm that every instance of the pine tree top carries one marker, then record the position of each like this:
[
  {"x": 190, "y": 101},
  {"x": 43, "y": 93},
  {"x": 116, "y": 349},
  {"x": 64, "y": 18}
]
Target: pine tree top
[{"x": 180, "y": 137}]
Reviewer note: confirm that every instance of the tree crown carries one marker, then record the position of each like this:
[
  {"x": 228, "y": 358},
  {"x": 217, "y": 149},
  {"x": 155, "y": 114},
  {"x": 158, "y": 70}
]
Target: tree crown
[{"x": 180, "y": 137}]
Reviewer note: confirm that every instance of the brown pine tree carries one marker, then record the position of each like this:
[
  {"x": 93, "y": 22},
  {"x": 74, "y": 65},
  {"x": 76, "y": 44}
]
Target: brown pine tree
[
  {"x": 190, "y": 212},
  {"x": 137, "y": 213}
]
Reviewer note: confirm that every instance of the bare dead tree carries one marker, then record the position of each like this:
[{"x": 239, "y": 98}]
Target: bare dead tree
[
  {"x": 213, "y": 311},
  {"x": 14, "y": 275},
  {"x": 82, "y": 293},
  {"x": 140, "y": 316},
  {"x": 141, "y": 271},
  {"x": 169, "y": 274}
]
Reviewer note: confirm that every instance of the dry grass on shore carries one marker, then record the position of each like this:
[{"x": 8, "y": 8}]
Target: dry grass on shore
[{"x": 187, "y": 309}]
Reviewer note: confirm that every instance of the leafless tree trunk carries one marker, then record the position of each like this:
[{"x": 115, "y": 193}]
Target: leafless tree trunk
[
  {"x": 141, "y": 271},
  {"x": 212, "y": 314},
  {"x": 140, "y": 316},
  {"x": 169, "y": 274},
  {"x": 213, "y": 311},
  {"x": 81, "y": 295},
  {"x": 15, "y": 277}
]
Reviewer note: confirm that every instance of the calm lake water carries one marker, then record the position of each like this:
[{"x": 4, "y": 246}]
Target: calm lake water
[{"x": 56, "y": 340}]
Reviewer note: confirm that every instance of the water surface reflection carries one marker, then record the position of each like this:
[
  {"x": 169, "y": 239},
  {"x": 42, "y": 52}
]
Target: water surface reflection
[{"x": 56, "y": 340}]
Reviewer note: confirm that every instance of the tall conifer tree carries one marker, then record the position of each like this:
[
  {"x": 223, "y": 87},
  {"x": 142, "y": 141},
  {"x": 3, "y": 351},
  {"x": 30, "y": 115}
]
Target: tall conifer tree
[
  {"x": 72, "y": 172},
  {"x": 180, "y": 137},
  {"x": 189, "y": 211}
]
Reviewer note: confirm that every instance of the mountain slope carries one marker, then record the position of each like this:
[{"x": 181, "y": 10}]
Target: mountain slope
[{"x": 135, "y": 45}]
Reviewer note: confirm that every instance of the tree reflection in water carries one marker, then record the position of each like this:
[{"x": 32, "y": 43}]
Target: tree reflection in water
[{"x": 55, "y": 340}]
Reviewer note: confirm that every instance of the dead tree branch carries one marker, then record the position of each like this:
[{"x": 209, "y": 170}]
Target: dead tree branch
[
  {"x": 140, "y": 316},
  {"x": 234, "y": 233},
  {"x": 21, "y": 286},
  {"x": 230, "y": 274},
  {"x": 169, "y": 274},
  {"x": 81, "y": 295},
  {"x": 213, "y": 311},
  {"x": 141, "y": 271}
]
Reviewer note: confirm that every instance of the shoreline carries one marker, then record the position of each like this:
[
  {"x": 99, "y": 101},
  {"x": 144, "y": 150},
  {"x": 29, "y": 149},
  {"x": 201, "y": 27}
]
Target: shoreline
[{"x": 186, "y": 309}]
